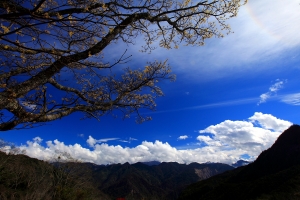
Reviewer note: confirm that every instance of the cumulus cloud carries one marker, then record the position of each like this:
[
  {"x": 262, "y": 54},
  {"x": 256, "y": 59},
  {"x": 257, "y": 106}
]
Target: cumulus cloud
[
  {"x": 272, "y": 91},
  {"x": 225, "y": 142},
  {"x": 37, "y": 139},
  {"x": 246, "y": 136},
  {"x": 183, "y": 137},
  {"x": 208, "y": 140},
  {"x": 270, "y": 122}
]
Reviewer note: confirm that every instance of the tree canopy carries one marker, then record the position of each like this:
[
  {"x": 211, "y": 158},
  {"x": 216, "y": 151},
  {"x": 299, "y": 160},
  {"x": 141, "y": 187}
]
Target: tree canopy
[{"x": 52, "y": 60}]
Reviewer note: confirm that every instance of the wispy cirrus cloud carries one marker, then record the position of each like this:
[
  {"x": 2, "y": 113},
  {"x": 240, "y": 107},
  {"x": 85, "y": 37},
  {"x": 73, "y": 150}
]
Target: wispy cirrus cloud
[
  {"x": 272, "y": 91},
  {"x": 292, "y": 99},
  {"x": 212, "y": 105},
  {"x": 92, "y": 141},
  {"x": 263, "y": 31},
  {"x": 128, "y": 140}
]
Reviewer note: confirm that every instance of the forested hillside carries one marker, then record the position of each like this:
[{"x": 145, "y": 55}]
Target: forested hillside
[{"x": 22, "y": 177}]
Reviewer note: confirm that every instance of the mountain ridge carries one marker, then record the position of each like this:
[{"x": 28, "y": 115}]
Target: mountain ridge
[
  {"x": 163, "y": 181},
  {"x": 275, "y": 174},
  {"x": 130, "y": 181}
]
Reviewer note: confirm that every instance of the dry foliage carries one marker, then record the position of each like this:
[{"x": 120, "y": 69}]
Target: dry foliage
[
  {"x": 51, "y": 58},
  {"x": 25, "y": 178}
]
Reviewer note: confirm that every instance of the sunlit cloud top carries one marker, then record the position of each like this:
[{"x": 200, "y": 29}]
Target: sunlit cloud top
[{"x": 228, "y": 142}]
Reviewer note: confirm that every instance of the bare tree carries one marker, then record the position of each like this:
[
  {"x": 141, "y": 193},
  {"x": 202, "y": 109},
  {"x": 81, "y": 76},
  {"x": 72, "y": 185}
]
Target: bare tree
[
  {"x": 69, "y": 173},
  {"x": 27, "y": 178},
  {"x": 51, "y": 58}
]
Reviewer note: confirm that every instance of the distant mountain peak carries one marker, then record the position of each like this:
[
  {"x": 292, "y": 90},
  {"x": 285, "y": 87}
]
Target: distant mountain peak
[
  {"x": 151, "y": 163},
  {"x": 240, "y": 163}
]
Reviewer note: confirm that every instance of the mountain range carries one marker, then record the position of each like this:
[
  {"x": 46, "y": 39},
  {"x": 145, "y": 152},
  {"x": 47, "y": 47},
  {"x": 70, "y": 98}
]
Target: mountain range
[
  {"x": 22, "y": 177},
  {"x": 160, "y": 181},
  {"x": 275, "y": 174}
]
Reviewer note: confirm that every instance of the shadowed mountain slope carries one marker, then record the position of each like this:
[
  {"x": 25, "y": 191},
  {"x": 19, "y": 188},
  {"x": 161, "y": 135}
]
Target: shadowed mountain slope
[
  {"x": 22, "y": 177},
  {"x": 275, "y": 174},
  {"x": 163, "y": 181}
]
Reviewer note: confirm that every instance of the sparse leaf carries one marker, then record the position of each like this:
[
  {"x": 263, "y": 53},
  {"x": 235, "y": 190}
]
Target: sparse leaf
[{"x": 58, "y": 46}]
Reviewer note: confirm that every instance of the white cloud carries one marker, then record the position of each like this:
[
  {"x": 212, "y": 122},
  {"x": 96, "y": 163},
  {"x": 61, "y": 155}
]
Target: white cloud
[
  {"x": 28, "y": 105},
  {"x": 128, "y": 140},
  {"x": 263, "y": 31},
  {"x": 208, "y": 140},
  {"x": 92, "y": 141},
  {"x": 270, "y": 122},
  {"x": 272, "y": 91},
  {"x": 106, "y": 140},
  {"x": 37, "y": 140},
  {"x": 263, "y": 98},
  {"x": 239, "y": 135},
  {"x": 278, "y": 19},
  {"x": 183, "y": 137},
  {"x": 229, "y": 141},
  {"x": 245, "y": 136},
  {"x": 292, "y": 99},
  {"x": 276, "y": 86},
  {"x": 213, "y": 105}
]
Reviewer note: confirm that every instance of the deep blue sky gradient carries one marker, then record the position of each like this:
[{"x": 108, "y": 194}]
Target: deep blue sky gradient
[{"x": 222, "y": 80}]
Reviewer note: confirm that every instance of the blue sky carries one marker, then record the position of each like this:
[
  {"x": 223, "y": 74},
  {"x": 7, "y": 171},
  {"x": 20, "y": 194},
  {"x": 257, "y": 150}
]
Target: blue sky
[{"x": 232, "y": 98}]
